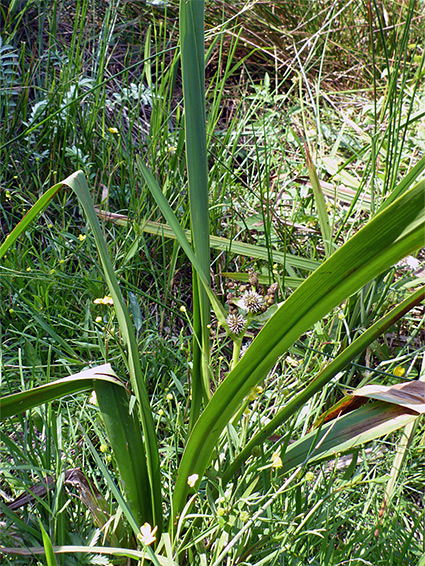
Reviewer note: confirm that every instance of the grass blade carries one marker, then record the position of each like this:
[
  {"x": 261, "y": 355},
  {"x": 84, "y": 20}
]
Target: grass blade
[
  {"x": 322, "y": 212},
  {"x": 48, "y": 548}
]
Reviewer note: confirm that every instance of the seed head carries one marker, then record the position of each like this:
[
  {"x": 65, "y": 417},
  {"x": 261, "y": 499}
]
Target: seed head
[
  {"x": 252, "y": 301},
  {"x": 236, "y": 323}
]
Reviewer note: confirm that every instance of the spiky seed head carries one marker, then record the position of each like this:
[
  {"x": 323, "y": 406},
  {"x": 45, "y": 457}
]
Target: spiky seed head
[
  {"x": 236, "y": 323},
  {"x": 252, "y": 301}
]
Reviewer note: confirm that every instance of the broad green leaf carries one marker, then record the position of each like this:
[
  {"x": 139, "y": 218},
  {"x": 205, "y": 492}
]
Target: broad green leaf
[
  {"x": 346, "y": 432},
  {"x": 324, "y": 377},
  {"x": 126, "y": 439},
  {"x": 191, "y": 30},
  {"x": 389, "y": 236},
  {"x": 77, "y": 182},
  {"x": 18, "y": 402}
]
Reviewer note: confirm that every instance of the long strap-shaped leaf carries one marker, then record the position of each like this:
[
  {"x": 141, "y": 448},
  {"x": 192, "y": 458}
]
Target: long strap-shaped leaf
[
  {"x": 336, "y": 365},
  {"x": 16, "y": 403},
  {"x": 77, "y": 182},
  {"x": 193, "y": 74},
  {"x": 388, "y": 237},
  {"x": 346, "y": 432}
]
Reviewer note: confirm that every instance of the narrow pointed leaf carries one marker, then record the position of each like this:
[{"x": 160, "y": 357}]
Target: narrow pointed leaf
[
  {"x": 335, "y": 366},
  {"x": 347, "y": 432},
  {"x": 388, "y": 237},
  {"x": 320, "y": 204},
  {"x": 219, "y": 243},
  {"x": 410, "y": 394},
  {"x": 77, "y": 182}
]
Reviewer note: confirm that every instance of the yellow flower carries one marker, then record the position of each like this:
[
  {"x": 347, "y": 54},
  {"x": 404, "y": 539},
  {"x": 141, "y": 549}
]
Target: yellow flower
[
  {"x": 147, "y": 534},
  {"x": 191, "y": 480},
  {"x": 98, "y": 319},
  {"x": 276, "y": 461},
  {"x": 28, "y": 268},
  {"x": 106, "y": 300},
  {"x": 255, "y": 392},
  {"x": 113, "y": 130},
  {"x": 82, "y": 237},
  {"x": 52, "y": 271},
  {"x": 182, "y": 308},
  {"x": 103, "y": 448},
  {"x": 399, "y": 371}
]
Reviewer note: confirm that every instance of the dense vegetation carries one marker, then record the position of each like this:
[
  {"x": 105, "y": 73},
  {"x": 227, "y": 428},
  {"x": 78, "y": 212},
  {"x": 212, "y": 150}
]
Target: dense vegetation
[{"x": 211, "y": 245}]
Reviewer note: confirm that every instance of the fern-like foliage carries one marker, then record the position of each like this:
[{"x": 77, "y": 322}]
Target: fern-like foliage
[{"x": 9, "y": 78}]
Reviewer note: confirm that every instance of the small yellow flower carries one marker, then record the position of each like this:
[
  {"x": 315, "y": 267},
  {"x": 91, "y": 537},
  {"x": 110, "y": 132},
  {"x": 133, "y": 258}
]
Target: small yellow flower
[
  {"x": 8, "y": 195},
  {"x": 49, "y": 225},
  {"x": 82, "y": 237},
  {"x": 182, "y": 308},
  {"x": 113, "y": 130},
  {"x": 106, "y": 300},
  {"x": 11, "y": 311},
  {"x": 98, "y": 319},
  {"x": 276, "y": 461},
  {"x": 93, "y": 398},
  {"x": 147, "y": 534},
  {"x": 103, "y": 448},
  {"x": 52, "y": 271},
  {"x": 160, "y": 413},
  {"x": 169, "y": 397},
  {"x": 61, "y": 261},
  {"x": 399, "y": 371},
  {"x": 220, "y": 512},
  {"x": 191, "y": 480},
  {"x": 28, "y": 268},
  {"x": 255, "y": 392}
]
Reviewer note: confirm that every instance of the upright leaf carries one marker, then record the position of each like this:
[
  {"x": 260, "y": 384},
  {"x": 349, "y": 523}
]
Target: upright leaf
[
  {"x": 389, "y": 236},
  {"x": 193, "y": 73}
]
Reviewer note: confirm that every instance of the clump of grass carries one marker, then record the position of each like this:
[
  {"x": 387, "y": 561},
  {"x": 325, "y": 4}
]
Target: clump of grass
[{"x": 83, "y": 112}]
